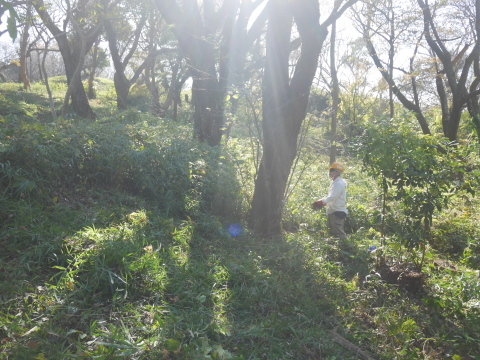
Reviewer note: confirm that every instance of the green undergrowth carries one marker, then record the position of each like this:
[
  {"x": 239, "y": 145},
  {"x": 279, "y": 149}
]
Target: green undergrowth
[{"x": 115, "y": 244}]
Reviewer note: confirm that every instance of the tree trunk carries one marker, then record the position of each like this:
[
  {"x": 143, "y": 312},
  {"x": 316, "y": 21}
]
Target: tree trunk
[
  {"x": 391, "y": 55},
  {"x": 472, "y": 104},
  {"x": 267, "y": 204},
  {"x": 335, "y": 94},
  {"x": 195, "y": 37},
  {"x": 151, "y": 82},
  {"x": 208, "y": 117},
  {"x": 44, "y": 73},
  {"x": 75, "y": 79},
  {"x": 93, "y": 69},
  {"x": 177, "y": 100},
  {"x": 460, "y": 96},
  {"x": 172, "y": 89},
  {"x": 120, "y": 81},
  {"x": 80, "y": 104},
  {"x": 456, "y": 110},
  {"x": 23, "y": 47},
  {"x": 284, "y": 106},
  {"x": 207, "y": 94},
  {"x": 70, "y": 50},
  {"x": 409, "y": 105}
]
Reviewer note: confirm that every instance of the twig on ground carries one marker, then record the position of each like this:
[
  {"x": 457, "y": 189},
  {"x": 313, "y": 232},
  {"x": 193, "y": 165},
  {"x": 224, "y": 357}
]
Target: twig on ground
[{"x": 348, "y": 345}]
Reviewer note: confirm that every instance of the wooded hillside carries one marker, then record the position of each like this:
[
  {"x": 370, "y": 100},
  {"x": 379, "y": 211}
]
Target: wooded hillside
[{"x": 159, "y": 160}]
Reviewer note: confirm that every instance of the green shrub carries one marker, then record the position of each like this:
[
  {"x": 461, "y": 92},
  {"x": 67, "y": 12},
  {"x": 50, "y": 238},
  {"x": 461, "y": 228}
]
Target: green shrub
[
  {"x": 418, "y": 175},
  {"x": 159, "y": 162}
]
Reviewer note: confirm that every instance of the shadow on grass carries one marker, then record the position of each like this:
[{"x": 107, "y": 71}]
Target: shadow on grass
[
  {"x": 272, "y": 302},
  {"x": 39, "y": 302},
  {"x": 140, "y": 285}
]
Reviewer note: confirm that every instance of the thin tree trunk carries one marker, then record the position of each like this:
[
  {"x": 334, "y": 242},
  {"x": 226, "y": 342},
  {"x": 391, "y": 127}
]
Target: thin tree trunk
[
  {"x": 47, "y": 85},
  {"x": 40, "y": 72},
  {"x": 91, "y": 76},
  {"x": 23, "y": 47},
  {"x": 335, "y": 94},
  {"x": 391, "y": 55},
  {"x": 172, "y": 90},
  {"x": 409, "y": 105}
]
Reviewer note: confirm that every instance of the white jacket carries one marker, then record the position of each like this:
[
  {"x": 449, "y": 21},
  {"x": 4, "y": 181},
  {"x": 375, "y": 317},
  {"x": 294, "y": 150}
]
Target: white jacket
[{"x": 336, "y": 199}]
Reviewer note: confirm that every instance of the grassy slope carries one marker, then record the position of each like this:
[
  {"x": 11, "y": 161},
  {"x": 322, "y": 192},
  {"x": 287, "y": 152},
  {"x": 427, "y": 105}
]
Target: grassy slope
[{"x": 103, "y": 257}]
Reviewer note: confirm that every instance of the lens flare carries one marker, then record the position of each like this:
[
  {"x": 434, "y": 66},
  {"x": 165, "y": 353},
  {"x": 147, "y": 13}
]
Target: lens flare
[{"x": 235, "y": 230}]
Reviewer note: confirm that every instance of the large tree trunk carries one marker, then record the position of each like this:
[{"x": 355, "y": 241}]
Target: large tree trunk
[
  {"x": 80, "y": 104},
  {"x": 285, "y": 102},
  {"x": 208, "y": 117},
  {"x": 195, "y": 29},
  {"x": 284, "y": 106},
  {"x": 267, "y": 204}
]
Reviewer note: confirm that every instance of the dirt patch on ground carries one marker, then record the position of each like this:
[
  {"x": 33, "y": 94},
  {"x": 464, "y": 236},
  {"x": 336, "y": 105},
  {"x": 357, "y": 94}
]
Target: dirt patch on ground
[{"x": 403, "y": 274}]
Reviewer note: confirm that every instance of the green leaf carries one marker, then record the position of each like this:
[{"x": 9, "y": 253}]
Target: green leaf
[{"x": 12, "y": 25}]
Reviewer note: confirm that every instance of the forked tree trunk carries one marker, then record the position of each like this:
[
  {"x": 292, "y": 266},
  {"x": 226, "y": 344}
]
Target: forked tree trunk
[
  {"x": 70, "y": 49},
  {"x": 278, "y": 155},
  {"x": 196, "y": 25},
  {"x": 284, "y": 106},
  {"x": 120, "y": 80},
  {"x": 72, "y": 59}
]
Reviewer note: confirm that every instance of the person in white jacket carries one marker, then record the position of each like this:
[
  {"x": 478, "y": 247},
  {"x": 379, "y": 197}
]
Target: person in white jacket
[{"x": 335, "y": 202}]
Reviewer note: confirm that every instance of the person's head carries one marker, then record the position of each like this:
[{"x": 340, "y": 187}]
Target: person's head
[{"x": 335, "y": 170}]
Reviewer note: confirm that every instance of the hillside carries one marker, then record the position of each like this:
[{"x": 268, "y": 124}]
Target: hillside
[{"x": 117, "y": 242}]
